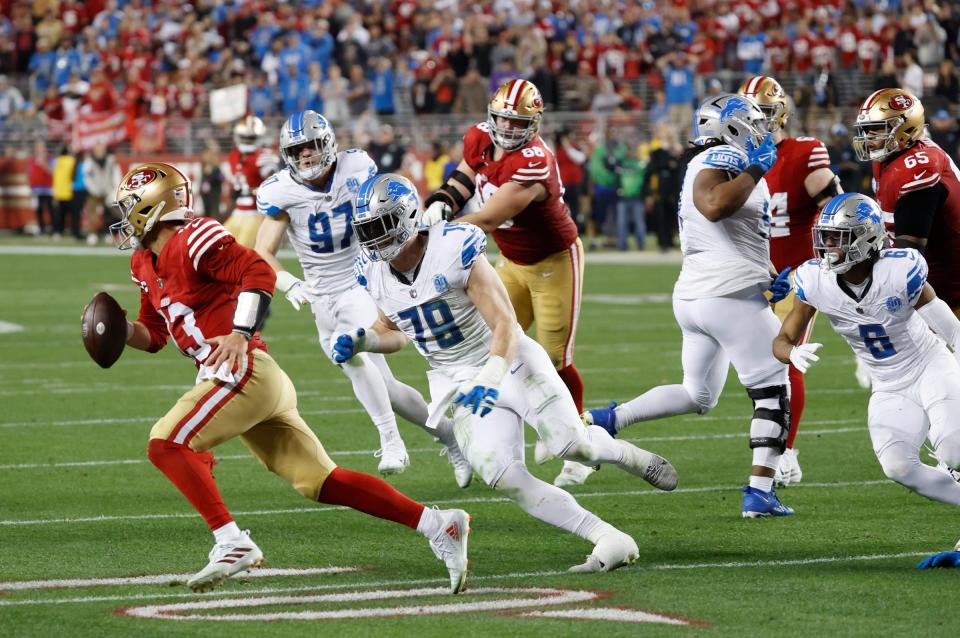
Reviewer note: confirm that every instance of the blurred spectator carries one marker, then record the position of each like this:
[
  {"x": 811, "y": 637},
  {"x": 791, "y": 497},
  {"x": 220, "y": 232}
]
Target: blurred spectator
[
  {"x": 63, "y": 168},
  {"x": 570, "y": 162},
  {"x": 943, "y": 131},
  {"x": 714, "y": 88},
  {"x": 584, "y": 87},
  {"x": 433, "y": 168},
  {"x": 101, "y": 175},
  {"x": 50, "y": 28},
  {"x": 335, "y": 96},
  {"x": 751, "y": 49},
  {"x": 72, "y": 95},
  {"x": 386, "y": 151},
  {"x": 294, "y": 90},
  {"x": 630, "y": 210},
  {"x": 41, "y": 185},
  {"x": 546, "y": 81},
  {"x": 911, "y": 77},
  {"x": 662, "y": 183},
  {"x": 42, "y": 66},
  {"x": 628, "y": 100},
  {"x": 102, "y": 97},
  {"x": 948, "y": 82},
  {"x": 262, "y": 100},
  {"x": 606, "y": 99},
  {"x": 777, "y": 49},
  {"x": 11, "y": 99},
  {"x": 601, "y": 167},
  {"x": 887, "y": 77},
  {"x": 443, "y": 87},
  {"x": 455, "y": 154},
  {"x": 845, "y": 164},
  {"x": 358, "y": 96},
  {"x": 678, "y": 77},
  {"x": 135, "y": 95},
  {"x": 211, "y": 181},
  {"x": 929, "y": 39},
  {"x": 472, "y": 96},
  {"x": 383, "y": 103},
  {"x": 658, "y": 110},
  {"x": 78, "y": 201}
]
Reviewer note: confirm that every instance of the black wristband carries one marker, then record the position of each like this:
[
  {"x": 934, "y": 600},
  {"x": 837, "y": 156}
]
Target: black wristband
[{"x": 755, "y": 172}]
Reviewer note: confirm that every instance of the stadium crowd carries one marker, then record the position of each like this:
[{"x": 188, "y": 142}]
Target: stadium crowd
[{"x": 365, "y": 63}]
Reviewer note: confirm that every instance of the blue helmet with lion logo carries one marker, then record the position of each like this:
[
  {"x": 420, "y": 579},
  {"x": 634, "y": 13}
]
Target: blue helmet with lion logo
[{"x": 386, "y": 214}]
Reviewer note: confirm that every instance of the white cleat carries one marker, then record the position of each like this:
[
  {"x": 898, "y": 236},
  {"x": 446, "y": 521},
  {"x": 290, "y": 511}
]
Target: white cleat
[
  {"x": 226, "y": 560},
  {"x": 392, "y": 454},
  {"x": 614, "y": 549},
  {"x": 540, "y": 453},
  {"x": 573, "y": 473},
  {"x": 449, "y": 544},
  {"x": 788, "y": 472},
  {"x": 462, "y": 470},
  {"x": 652, "y": 468}
]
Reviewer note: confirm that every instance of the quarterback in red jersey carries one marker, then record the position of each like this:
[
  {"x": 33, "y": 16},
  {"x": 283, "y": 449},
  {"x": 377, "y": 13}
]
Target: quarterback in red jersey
[
  {"x": 800, "y": 183},
  {"x": 250, "y": 164},
  {"x": 517, "y": 182},
  {"x": 916, "y": 183},
  {"x": 199, "y": 286}
]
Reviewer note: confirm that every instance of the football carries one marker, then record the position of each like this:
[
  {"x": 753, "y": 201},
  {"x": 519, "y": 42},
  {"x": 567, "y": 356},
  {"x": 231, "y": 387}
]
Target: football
[{"x": 104, "y": 329}]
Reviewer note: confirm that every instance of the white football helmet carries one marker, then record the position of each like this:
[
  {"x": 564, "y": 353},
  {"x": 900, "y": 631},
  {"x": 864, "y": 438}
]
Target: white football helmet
[
  {"x": 386, "y": 215},
  {"x": 248, "y": 134},
  {"x": 849, "y": 230}
]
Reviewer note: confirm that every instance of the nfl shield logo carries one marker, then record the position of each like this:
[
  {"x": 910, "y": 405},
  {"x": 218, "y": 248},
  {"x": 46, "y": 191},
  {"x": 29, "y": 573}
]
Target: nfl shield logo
[
  {"x": 893, "y": 304},
  {"x": 441, "y": 284}
]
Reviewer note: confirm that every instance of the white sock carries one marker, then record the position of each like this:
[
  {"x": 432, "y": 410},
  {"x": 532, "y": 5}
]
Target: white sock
[
  {"x": 660, "y": 402},
  {"x": 405, "y": 400},
  {"x": 546, "y": 502},
  {"x": 764, "y": 483},
  {"x": 226, "y": 532},
  {"x": 596, "y": 446},
  {"x": 370, "y": 389},
  {"x": 429, "y": 522},
  {"x": 387, "y": 427}
]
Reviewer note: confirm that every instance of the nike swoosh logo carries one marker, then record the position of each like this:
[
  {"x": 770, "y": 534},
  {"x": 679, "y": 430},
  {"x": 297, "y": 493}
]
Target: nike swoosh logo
[
  {"x": 920, "y": 174},
  {"x": 532, "y": 164},
  {"x": 546, "y": 274},
  {"x": 518, "y": 366}
]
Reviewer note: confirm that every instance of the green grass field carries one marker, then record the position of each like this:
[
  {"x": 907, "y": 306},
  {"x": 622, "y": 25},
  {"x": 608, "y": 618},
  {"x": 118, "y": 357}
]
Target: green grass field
[{"x": 80, "y": 501}]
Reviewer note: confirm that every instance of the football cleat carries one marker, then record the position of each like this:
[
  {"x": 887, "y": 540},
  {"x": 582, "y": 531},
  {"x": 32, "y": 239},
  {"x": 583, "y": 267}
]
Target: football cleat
[
  {"x": 541, "y": 453},
  {"x": 449, "y": 544},
  {"x": 941, "y": 559},
  {"x": 227, "y": 559},
  {"x": 614, "y": 549},
  {"x": 788, "y": 472},
  {"x": 392, "y": 454},
  {"x": 760, "y": 504},
  {"x": 604, "y": 417},
  {"x": 573, "y": 473},
  {"x": 652, "y": 468}
]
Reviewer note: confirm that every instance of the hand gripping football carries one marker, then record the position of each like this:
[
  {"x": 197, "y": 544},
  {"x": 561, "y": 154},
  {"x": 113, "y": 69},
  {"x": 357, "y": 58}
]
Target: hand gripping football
[{"x": 104, "y": 329}]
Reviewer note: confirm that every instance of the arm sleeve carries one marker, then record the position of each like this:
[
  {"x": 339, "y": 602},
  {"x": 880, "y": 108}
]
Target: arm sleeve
[
  {"x": 916, "y": 209},
  {"x": 232, "y": 263},
  {"x": 154, "y": 323},
  {"x": 941, "y": 320}
]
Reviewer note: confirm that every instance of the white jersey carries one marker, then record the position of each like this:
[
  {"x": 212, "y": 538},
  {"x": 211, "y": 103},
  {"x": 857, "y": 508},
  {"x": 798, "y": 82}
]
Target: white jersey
[
  {"x": 432, "y": 308},
  {"x": 882, "y": 327},
  {"x": 320, "y": 229},
  {"x": 723, "y": 257}
]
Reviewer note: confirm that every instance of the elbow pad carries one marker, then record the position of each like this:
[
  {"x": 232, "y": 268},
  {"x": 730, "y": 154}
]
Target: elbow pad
[{"x": 251, "y": 311}]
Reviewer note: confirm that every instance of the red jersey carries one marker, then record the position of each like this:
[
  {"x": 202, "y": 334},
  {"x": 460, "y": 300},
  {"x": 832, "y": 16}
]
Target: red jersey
[
  {"x": 247, "y": 172},
  {"x": 189, "y": 291},
  {"x": 792, "y": 211},
  {"x": 542, "y": 228},
  {"x": 925, "y": 165}
]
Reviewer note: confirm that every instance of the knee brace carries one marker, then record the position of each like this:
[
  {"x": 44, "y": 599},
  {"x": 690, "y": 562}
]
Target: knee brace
[{"x": 771, "y": 403}]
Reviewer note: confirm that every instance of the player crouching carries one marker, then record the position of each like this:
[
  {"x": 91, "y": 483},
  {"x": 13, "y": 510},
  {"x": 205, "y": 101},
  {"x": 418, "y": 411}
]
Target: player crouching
[
  {"x": 880, "y": 302},
  {"x": 437, "y": 289},
  {"x": 210, "y": 294}
]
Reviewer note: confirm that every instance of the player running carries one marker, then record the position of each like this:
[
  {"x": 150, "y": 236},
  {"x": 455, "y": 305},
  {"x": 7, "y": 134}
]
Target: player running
[
  {"x": 250, "y": 164},
  {"x": 208, "y": 293},
  {"x": 437, "y": 289},
  {"x": 517, "y": 182},
  {"x": 311, "y": 201},
  {"x": 719, "y": 297},
  {"x": 880, "y": 302},
  {"x": 800, "y": 183}
]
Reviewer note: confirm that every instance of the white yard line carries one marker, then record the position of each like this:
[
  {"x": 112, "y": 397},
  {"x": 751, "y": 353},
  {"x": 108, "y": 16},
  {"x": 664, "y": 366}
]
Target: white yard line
[
  {"x": 477, "y": 578},
  {"x": 107, "y": 518},
  {"x": 434, "y": 450}
]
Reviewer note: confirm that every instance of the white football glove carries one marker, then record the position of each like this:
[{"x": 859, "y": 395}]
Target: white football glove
[
  {"x": 295, "y": 290},
  {"x": 435, "y": 213},
  {"x": 802, "y": 356}
]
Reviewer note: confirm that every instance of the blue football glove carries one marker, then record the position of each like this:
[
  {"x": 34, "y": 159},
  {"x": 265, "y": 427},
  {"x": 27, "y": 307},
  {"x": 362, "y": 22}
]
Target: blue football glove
[
  {"x": 348, "y": 345},
  {"x": 765, "y": 155},
  {"x": 479, "y": 398},
  {"x": 943, "y": 559},
  {"x": 780, "y": 287}
]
